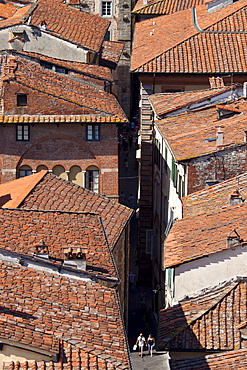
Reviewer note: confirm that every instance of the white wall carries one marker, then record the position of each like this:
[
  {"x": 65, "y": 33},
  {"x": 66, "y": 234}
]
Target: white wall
[
  {"x": 43, "y": 43},
  {"x": 192, "y": 277}
]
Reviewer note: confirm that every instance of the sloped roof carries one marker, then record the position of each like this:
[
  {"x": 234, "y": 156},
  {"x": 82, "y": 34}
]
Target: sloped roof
[
  {"x": 163, "y": 103},
  {"x": 214, "y": 198},
  {"x": 194, "y": 237},
  {"x": 23, "y": 230},
  {"x": 236, "y": 359},
  {"x": 158, "y": 7},
  {"x": 7, "y": 10},
  {"x": 48, "y": 192},
  {"x": 77, "y": 93},
  {"x": 189, "y": 134},
  {"x": 196, "y": 322},
  {"x": 91, "y": 70},
  {"x": 62, "y": 21},
  {"x": 111, "y": 51},
  {"x": 172, "y": 44},
  {"x": 41, "y": 308}
]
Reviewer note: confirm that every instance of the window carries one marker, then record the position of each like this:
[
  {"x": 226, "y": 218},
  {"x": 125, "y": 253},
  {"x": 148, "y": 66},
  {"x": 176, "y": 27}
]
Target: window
[
  {"x": 107, "y": 36},
  {"x": 106, "y": 9},
  {"x": 92, "y": 179},
  {"x": 25, "y": 171},
  {"x": 21, "y": 100},
  {"x": 22, "y": 133},
  {"x": 92, "y": 132}
]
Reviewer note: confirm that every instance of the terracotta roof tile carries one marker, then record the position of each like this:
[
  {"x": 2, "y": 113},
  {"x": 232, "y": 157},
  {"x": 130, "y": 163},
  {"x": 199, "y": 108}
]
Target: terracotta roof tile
[
  {"x": 111, "y": 51},
  {"x": 34, "y": 192},
  {"x": 158, "y": 7},
  {"x": 7, "y": 10},
  {"x": 23, "y": 230},
  {"x": 168, "y": 102},
  {"x": 214, "y": 198},
  {"x": 92, "y": 101},
  {"x": 189, "y": 134},
  {"x": 194, "y": 323},
  {"x": 226, "y": 360},
  {"x": 46, "y": 311},
  {"x": 70, "y": 24},
  {"x": 91, "y": 70},
  {"x": 194, "y": 237},
  {"x": 161, "y": 46}
]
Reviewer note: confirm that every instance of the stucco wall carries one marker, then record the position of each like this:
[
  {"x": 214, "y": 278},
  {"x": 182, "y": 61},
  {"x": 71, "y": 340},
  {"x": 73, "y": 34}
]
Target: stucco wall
[{"x": 192, "y": 277}]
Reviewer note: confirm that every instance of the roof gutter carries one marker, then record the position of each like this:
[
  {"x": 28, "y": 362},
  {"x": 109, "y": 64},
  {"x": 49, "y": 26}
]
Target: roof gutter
[{"x": 199, "y": 29}]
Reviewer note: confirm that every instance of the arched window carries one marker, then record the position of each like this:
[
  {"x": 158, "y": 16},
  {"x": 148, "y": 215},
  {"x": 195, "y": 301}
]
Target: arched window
[
  {"x": 24, "y": 171},
  {"x": 60, "y": 172},
  {"x": 75, "y": 175},
  {"x": 92, "y": 179},
  {"x": 41, "y": 167}
]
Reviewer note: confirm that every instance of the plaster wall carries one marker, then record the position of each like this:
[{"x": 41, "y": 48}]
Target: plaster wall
[
  {"x": 209, "y": 271},
  {"x": 41, "y": 42}
]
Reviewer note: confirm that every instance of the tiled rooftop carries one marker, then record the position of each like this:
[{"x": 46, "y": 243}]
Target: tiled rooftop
[
  {"x": 111, "y": 51},
  {"x": 227, "y": 360},
  {"x": 211, "y": 321},
  {"x": 91, "y": 100},
  {"x": 92, "y": 70},
  {"x": 158, "y": 7},
  {"x": 214, "y": 198},
  {"x": 67, "y": 23},
  {"x": 171, "y": 43},
  {"x": 23, "y": 230},
  {"x": 168, "y": 102},
  {"x": 189, "y": 134},
  {"x": 45, "y": 311},
  {"x": 194, "y": 237},
  {"x": 48, "y": 192},
  {"x": 7, "y": 10}
]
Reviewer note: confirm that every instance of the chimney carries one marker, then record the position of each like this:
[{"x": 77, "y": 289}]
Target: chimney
[
  {"x": 9, "y": 68},
  {"x": 233, "y": 239},
  {"x": 216, "y": 82},
  {"x": 145, "y": 2},
  {"x": 219, "y": 137},
  {"x": 42, "y": 251},
  {"x": 245, "y": 90},
  {"x": 236, "y": 198},
  {"x": 75, "y": 257}
]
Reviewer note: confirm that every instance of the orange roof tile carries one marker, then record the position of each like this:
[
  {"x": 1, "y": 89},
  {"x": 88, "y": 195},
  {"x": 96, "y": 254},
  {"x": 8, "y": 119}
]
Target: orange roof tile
[
  {"x": 70, "y": 24},
  {"x": 64, "y": 315},
  {"x": 158, "y": 7},
  {"x": 195, "y": 322},
  {"x": 160, "y": 45},
  {"x": 189, "y": 134},
  {"x": 197, "y": 236},
  {"x": 7, "y": 10},
  {"x": 93, "y": 101},
  {"x": 168, "y": 102},
  {"x": 111, "y": 51},
  {"x": 22, "y": 231},
  {"x": 214, "y": 198},
  {"x": 46, "y": 191},
  {"x": 92, "y": 70},
  {"x": 227, "y": 360}
]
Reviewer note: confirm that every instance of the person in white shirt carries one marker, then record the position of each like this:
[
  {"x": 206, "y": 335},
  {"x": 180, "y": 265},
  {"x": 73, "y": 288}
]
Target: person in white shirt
[{"x": 141, "y": 341}]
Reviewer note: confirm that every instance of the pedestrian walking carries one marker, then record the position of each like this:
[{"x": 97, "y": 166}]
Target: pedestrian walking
[
  {"x": 131, "y": 201},
  {"x": 130, "y": 139},
  {"x": 131, "y": 280},
  {"x": 143, "y": 299},
  {"x": 122, "y": 198},
  {"x": 126, "y": 163},
  {"x": 141, "y": 341},
  {"x": 151, "y": 344}
]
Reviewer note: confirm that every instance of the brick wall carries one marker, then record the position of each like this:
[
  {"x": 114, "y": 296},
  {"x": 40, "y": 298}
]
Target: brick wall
[
  {"x": 65, "y": 145},
  {"x": 219, "y": 166}
]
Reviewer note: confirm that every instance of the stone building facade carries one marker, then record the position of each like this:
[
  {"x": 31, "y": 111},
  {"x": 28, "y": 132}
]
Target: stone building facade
[{"x": 118, "y": 12}]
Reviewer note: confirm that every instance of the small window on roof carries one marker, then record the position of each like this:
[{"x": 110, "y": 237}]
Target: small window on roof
[{"x": 21, "y": 100}]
